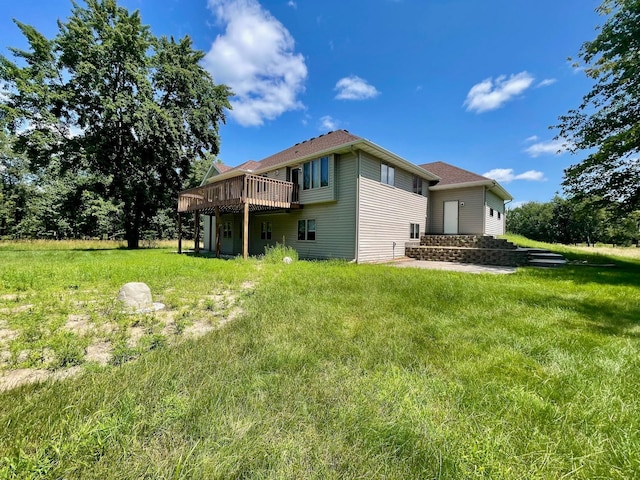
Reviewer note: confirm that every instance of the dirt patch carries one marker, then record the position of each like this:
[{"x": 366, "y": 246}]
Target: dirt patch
[
  {"x": 199, "y": 328},
  {"x": 6, "y": 334},
  {"x": 226, "y": 309},
  {"x": 22, "y": 376},
  {"x": 18, "y": 309},
  {"x": 135, "y": 334},
  {"x": 11, "y": 297},
  {"x": 99, "y": 353},
  {"x": 78, "y": 324}
]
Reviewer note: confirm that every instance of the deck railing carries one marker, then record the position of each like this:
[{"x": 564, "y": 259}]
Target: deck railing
[{"x": 251, "y": 189}]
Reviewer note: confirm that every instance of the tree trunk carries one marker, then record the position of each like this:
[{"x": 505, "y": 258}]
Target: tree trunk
[{"x": 132, "y": 225}]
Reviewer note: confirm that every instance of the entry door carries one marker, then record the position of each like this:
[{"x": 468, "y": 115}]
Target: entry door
[{"x": 451, "y": 217}]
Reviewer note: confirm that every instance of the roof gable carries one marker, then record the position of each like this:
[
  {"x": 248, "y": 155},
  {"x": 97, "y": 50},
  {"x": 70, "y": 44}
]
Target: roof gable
[{"x": 451, "y": 175}]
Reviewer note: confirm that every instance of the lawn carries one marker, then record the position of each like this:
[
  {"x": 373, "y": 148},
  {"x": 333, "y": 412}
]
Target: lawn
[{"x": 318, "y": 369}]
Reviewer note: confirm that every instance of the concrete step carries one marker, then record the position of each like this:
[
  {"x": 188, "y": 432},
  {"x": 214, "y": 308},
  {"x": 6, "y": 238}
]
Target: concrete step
[
  {"x": 547, "y": 263},
  {"x": 545, "y": 255}
]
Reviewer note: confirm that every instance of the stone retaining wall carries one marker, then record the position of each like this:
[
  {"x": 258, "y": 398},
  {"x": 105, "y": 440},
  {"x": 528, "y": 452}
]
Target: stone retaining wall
[
  {"x": 479, "y": 256},
  {"x": 466, "y": 241}
]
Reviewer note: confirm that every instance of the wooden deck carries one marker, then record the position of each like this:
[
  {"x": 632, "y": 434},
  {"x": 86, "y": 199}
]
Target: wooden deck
[
  {"x": 232, "y": 194},
  {"x": 242, "y": 194}
]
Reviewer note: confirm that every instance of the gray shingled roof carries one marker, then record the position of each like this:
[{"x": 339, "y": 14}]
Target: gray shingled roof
[{"x": 299, "y": 150}]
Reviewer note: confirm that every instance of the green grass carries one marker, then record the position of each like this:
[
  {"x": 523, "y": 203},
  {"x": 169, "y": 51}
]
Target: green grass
[{"x": 336, "y": 370}]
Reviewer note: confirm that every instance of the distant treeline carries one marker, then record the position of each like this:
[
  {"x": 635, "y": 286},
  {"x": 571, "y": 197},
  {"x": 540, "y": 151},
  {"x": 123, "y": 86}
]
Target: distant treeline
[{"x": 572, "y": 221}]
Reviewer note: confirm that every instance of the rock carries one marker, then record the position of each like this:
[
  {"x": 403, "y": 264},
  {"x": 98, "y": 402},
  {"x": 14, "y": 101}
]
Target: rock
[
  {"x": 287, "y": 260},
  {"x": 136, "y": 297}
]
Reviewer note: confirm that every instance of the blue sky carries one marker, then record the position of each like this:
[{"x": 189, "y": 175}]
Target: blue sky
[{"x": 475, "y": 83}]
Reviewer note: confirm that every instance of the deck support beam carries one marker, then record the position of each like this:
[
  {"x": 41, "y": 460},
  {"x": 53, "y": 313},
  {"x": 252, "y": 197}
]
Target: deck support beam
[
  {"x": 218, "y": 230},
  {"x": 196, "y": 233},
  {"x": 245, "y": 232},
  {"x": 179, "y": 233}
]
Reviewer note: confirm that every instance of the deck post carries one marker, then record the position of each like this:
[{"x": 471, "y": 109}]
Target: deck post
[
  {"x": 245, "y": 231},
  {"x": 210, "y": 232},
  {"x": 179, "y": 233},
  {"x": 218, "y": 228},
  {"x": 196, "y": 233}
]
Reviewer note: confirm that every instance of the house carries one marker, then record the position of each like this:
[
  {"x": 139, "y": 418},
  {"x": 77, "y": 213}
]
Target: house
[
  {"x": 465, "y": 203},
  {"x": 338, "y": 196}
]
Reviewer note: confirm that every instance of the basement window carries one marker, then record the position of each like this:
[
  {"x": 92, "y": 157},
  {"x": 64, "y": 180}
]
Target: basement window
[
  {"x": 306, "y": 229},
  {"x": 414, "y": 230},
  {"x": 226, "y": 230},
  {"x": 265, "y": 231}
]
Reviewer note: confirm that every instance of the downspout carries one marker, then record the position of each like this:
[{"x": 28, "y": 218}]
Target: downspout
[{"x": 357, "y": 153}]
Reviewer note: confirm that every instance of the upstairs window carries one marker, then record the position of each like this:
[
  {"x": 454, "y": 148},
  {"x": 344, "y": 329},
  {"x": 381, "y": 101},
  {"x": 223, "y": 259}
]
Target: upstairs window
[
  {"x": 387, "y": 174},
  {"x": 491, "y": 212},
  {"x": 417, "y": 185},
  {"x": 315, "y": 174}
]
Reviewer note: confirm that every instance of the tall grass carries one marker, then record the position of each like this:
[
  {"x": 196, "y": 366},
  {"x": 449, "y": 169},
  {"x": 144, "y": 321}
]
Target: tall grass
[{"x": 354, "y": 371}]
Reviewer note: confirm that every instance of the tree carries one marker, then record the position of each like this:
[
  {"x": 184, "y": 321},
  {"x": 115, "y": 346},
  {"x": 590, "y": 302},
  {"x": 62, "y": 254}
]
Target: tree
[
  {"x": 608, "y": 120},
  {"x": 107, "y": 97},
  {"x": 532, "y": 220}
]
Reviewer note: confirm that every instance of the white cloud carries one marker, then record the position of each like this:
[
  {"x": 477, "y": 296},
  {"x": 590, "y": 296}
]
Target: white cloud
[
  {"x": 255, "y": 57},
  {"x": 549, "y": 147},
  {"x": 546, "y": 82},
  {"x": 530, "y": 139},
  {"x": 490, "y": 95},
  {"x": 506, "y": 175},
  {"x": 328, "y": 123},
  {"x": 292, "y": 4},
  {"x": 355, "y": 88}
]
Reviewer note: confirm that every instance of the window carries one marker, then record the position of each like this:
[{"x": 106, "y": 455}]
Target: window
[
  {"x": 226, "y": 230},
  {"x": 315, "y": 174},
  {"x": 265, "y": 231},
  {"x": 387, "y": 174},
  {"x": 498, "y": 215},
  {"x": 417, "y": 185},
  {"x": 414, "y": 230},
  {"x": 491, "y": 212},
  {"x": 306, "y": 229}
]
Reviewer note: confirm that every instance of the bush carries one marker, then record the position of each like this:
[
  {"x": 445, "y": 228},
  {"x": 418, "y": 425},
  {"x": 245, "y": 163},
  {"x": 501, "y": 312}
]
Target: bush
[{"x": 276, "y": 253}]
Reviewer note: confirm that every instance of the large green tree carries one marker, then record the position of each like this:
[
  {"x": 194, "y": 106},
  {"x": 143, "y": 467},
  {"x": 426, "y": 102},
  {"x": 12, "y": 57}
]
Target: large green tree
[
  {"x": 106, "y": 96},
  {"x": 607, "y": 123}
]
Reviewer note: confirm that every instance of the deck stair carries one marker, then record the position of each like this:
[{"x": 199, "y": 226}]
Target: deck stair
[
  {"x": 474, "y": 249},
  {"x": 539, "y": 257}
]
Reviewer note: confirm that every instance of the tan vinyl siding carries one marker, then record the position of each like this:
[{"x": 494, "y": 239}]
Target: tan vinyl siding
[
  {"x": 404, "y": 180},
  {"x": 493, "y": 226},
  {"x": 470, "y": 216},
  {"x": 385, "y": 216},
  {"x": 335, "y": 221}
]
